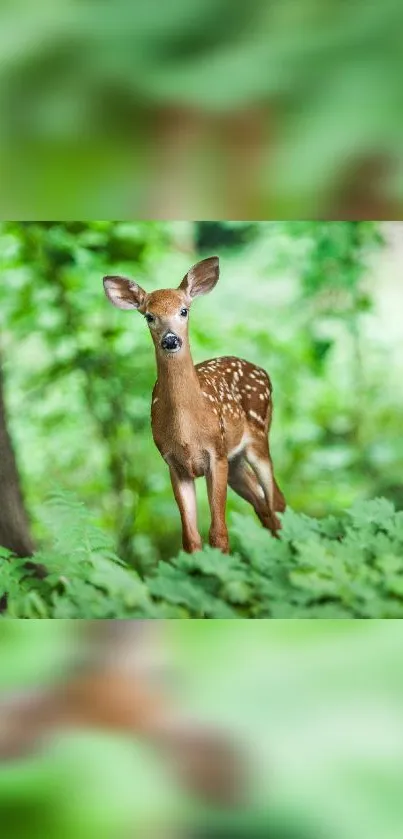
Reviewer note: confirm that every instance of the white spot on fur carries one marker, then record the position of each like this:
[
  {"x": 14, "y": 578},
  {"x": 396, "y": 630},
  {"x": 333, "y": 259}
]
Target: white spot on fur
[{"x": 256, "y": 417}]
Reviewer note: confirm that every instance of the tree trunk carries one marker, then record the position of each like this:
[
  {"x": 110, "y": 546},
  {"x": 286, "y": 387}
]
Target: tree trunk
[{"x": 14, "y": 526}]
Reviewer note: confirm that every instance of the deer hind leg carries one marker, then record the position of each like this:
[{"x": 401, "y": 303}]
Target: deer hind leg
[
  {"x": 279, "y": 500},
  {"x": 258, "y": 457},
  {"x": 244, "y": 482}
]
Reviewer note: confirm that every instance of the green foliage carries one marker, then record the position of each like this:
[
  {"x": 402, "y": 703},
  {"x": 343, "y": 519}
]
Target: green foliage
[
  {"x": 294, "y": 297},
  {"x": 83, "y": 369},
  {"x": 350, "y": 566}
]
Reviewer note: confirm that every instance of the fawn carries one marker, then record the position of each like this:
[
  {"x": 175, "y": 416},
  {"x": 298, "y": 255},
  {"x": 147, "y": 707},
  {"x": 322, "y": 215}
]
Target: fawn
[{"x": 212, "y": 419}]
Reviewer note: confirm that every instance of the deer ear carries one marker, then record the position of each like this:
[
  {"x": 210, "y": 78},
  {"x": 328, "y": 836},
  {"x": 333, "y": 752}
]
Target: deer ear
[
  {"x": 202, "y": 277},
  {"x": 124, "y": 293}
]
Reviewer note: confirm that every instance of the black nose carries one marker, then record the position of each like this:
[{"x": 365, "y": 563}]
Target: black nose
[{"x": 171, "y": 342}]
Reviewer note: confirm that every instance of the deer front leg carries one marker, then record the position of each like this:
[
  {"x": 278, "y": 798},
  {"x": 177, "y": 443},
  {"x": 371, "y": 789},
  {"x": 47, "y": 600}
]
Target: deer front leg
[
  {"x": 217, "y": 479},
  {"x": 185, "y": 496}
]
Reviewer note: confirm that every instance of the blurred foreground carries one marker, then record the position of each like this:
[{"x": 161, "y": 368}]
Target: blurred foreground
[{"x": 285, "y": 730}]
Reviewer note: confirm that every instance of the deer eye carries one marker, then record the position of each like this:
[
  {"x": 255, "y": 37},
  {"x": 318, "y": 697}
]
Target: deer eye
[
  {"x": 149, "y": 318},
  {"x": 183, "y": 312}
]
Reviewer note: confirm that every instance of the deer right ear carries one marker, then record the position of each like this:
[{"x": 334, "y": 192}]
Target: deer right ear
[
  {"x": 202, "y": 277},
  {"x": 124, "y": 293}
]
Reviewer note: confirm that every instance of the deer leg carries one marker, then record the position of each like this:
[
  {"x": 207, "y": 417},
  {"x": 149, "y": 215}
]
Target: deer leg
[
  {"x": 217, "y": 479},
  {"x": 279, "y": 500},
  {"x": 185, "y": 496},
  {"x": 245, "y": 483},
  {"x": 259, "y": 459}
]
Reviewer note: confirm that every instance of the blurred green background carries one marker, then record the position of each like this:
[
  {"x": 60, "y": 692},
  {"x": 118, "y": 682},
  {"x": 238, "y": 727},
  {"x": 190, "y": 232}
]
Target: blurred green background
[
  {"x": 317, "y": 707},
  {"x": 201, "y": 108}
]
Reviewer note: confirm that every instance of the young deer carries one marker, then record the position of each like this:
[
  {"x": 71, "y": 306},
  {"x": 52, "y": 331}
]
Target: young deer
[{"x": 211, "y": 419}]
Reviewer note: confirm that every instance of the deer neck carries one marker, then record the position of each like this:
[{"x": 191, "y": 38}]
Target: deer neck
[{"x": 177, "y": 379}]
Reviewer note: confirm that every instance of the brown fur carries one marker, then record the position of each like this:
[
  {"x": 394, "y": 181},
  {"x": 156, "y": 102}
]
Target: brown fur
[{"x": 210, "y": 420}]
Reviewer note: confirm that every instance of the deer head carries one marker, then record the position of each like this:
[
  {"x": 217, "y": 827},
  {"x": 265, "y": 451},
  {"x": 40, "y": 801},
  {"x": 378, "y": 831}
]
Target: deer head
[{"x": 166, "y": 310}]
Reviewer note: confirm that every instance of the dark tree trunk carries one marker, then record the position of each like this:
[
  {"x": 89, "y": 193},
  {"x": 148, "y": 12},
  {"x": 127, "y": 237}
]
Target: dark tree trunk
[{"x": 14, "y": 526}]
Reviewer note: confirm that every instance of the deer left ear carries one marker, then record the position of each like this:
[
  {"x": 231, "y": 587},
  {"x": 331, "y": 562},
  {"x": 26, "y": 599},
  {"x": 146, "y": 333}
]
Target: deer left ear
[
  {"x": 124, "y": 293},
  {"x": 202, "y": 277}
]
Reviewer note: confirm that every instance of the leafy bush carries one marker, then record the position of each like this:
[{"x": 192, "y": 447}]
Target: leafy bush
[{"x": 349, "y": 566}]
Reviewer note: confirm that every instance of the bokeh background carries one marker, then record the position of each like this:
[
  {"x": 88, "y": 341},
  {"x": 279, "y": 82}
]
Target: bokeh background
[
  {"x": 317, "y": 707},
  {"x": 201, "y": 108}
]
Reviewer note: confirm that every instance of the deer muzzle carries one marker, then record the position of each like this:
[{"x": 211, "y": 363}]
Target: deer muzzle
[{"x": 171, "y": 342}]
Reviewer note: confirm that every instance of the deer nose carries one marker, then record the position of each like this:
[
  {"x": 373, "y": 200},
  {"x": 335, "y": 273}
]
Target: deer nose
[{"x": 171, "y": 342}]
